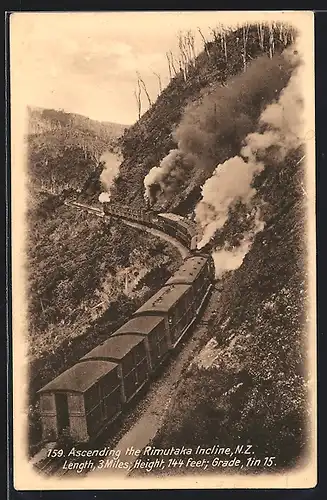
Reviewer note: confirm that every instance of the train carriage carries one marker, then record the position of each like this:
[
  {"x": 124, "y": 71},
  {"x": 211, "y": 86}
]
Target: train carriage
[
  {"x": 129, "y": 352},
  {"x": 81, "y": 401},
  {"x": 175, "y": 304},
  {"x": 174, "y": 225},
  {"x": 156, "y": 337},
  {"x": 182, "y": 228},
  {"x": 197, "y": 272}
]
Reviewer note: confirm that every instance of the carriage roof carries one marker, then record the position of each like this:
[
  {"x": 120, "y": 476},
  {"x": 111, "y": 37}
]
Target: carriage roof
[
  {"x": 140, "y": 325},
  {"x": 164, "y": 299},
  {"x": 189, "y": 271},
  {"x": 80, "y": 377},
  {"x": 182, "y": 221},
  {"x": 115, "y": 348}
]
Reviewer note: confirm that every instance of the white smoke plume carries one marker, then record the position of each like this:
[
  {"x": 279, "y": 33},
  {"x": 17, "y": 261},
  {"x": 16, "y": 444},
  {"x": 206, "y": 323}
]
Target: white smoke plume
[
  {"x": 230, "y": 182},
  {"x": 104, "y": 197},
  {"x": 280, "y": 132},
  {"x": 109, "y": 173},
  {"x": 170, "y": 174},
  {"x": 229, "y": 259},
  {"x": 213, "y": 127}
]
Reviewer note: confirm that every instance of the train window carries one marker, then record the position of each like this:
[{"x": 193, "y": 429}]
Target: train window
[
  {"x": 94, "y": 420},
  {"x": 130, "y": 382},
  {"x": 139, "y": 352},
  {"x": 153, "y": 348},
  {"x": 162, "y": 345},
  {"x": 102, "y": 403},
  {"x": 62, "y": 411},
  {"x": 109, "y": 382},
  {"x": 159, "y": 348}
]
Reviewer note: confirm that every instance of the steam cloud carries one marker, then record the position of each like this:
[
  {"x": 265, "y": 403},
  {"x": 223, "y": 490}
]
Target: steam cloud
[
  {"x": 169, "y": 177},
  {"x": 229, "y": 259},
  {"x": 110, "y": 172},
  {"x": 280, "y": 131},
  {"x": 212, "y": 129}
]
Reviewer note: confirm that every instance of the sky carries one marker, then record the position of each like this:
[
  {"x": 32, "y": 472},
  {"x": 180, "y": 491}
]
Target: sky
[{"x": 86, "y": 63}]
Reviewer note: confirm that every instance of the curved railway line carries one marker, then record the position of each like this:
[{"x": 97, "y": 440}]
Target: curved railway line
[{"x": 85, "y": 400}]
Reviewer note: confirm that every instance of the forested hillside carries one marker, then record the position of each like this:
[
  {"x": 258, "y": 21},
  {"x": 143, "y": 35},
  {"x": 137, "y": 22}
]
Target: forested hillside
[
  {"x": 249, "y": 384},
  {"x": 65, "y": 149}
]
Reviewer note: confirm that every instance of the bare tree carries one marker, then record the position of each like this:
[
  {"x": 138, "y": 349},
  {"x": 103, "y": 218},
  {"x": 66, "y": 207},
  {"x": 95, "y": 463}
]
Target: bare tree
[
  {"x": 137, "y": 94},
  {"x": 182, "y": 68},
  {"x": 261, "y": 35},
  {"x": 271, "y": 40},
  {"x": 245, "y": 35},
  {"x": 169, "y": 65},
  {"x": 285, "y": 34},
  {"x": 191, "y": 46},
  {"x": 223, "y": 41},
  {"x": 205, "y": 43},
  {"x": 183, "y": 59},
  {"x": 159, "y": 81},
  {"x": 172, "y": 62},
  {"x": 144, "y": 88},
  {"x": 214, "y": 32}
]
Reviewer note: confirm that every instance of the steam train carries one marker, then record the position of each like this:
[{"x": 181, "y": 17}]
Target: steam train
[
  {"x": 87, "y": 397},
  {"x": 176, "y": 226}
]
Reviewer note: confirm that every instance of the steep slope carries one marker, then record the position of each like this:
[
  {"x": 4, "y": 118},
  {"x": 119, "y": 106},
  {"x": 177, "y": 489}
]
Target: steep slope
[
  {"x": 147, "y": 142},
  {"x": 65, "y": 149},
  {"x": 249, "y": 383}
]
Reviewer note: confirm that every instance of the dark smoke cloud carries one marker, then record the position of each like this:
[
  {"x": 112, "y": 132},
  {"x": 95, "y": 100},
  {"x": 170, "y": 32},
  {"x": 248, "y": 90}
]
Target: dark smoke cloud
[{"x": 212, "y": 129}]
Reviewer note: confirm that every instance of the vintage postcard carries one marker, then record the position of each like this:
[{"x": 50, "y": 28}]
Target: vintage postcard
[{"x": 163, "y": 250}]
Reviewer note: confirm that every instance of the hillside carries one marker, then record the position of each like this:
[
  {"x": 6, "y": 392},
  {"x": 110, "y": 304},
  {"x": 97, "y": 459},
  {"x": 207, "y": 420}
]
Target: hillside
[
  {"x": 227, "y": 145},
  {"x": 173, "y": 120},
  {"x": 51, "y": 120},
  {"x": 65, "y": 149},
  {"x": 84, "y": 277},
  {"x": 248, "y": 385}
]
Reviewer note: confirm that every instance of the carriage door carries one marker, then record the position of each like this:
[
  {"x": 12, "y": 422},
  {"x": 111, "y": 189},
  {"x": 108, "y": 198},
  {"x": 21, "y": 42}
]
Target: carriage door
[{"x": 62, "y": 412}]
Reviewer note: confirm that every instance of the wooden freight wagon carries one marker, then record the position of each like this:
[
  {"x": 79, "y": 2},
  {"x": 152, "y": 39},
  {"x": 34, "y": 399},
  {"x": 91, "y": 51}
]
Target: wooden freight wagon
[
  {"x": 194, "y": 271},
  {"x": 175, "y": 304},
  {"x": 156, "y": 337},
  {"x": 129, "y": 352},
  {"x": 80, "y": 401}
]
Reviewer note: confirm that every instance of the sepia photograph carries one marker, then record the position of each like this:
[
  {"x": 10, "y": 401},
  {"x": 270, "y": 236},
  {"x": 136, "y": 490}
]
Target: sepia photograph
[{"x": 163, "y": 250}]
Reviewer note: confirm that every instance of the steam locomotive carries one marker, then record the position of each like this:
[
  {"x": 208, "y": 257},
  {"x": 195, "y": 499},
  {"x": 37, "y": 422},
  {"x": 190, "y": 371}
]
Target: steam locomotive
[{"x": 87, "y": 397}]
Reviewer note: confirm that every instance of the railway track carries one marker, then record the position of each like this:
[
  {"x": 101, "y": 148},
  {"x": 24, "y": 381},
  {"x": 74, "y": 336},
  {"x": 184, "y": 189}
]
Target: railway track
[{"x": 183, "y": 250}]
